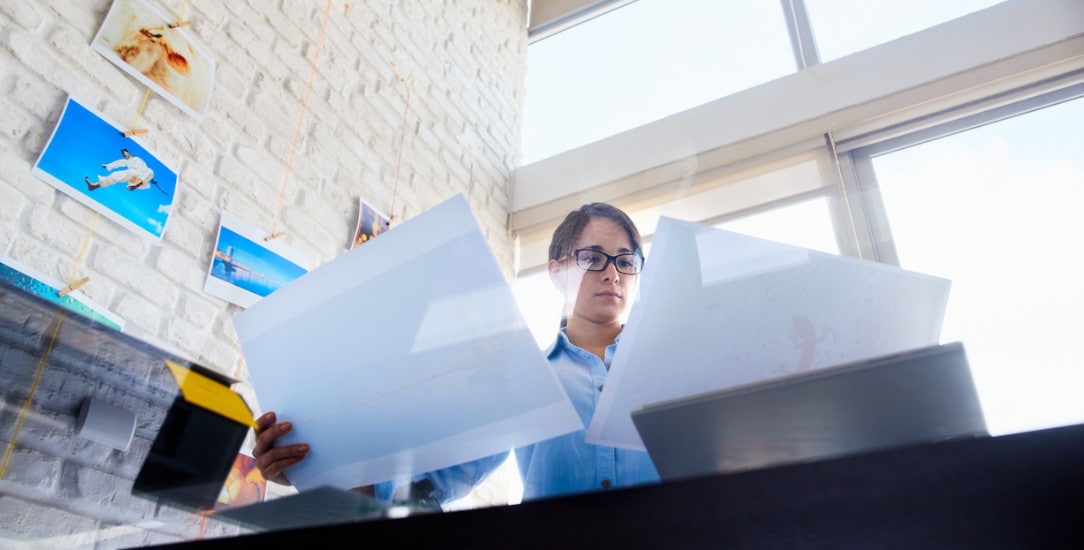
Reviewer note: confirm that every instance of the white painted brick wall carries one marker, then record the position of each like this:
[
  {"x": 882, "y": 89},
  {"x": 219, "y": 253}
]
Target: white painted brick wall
[{"x": 464, "y": 60}]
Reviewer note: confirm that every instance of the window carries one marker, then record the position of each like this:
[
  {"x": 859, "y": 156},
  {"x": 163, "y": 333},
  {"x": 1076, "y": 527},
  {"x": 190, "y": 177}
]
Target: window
[
  {"x": 541, "y": 305},
  {"x": 643, "y": 62},
  {"x": 842, "y": 27},
  {"x": 973, "y": 175},
  {"x": 807, "y": 224},
  {"x": 996, "y": 210}
]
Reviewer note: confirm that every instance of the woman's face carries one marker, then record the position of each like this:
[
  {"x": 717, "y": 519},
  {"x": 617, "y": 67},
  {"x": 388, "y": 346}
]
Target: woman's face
[{"x": 596, "y": 296}]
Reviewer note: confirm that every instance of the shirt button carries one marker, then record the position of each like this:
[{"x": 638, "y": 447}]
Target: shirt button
[
  {"x": 606, "y": 484},
  {"x": 600, "y": 387}
]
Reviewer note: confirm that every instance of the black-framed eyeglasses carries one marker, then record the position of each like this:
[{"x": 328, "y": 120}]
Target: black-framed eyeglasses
[{"x": 596, "y": 260}]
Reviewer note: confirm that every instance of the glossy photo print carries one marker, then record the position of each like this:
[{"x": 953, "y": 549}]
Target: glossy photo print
[
  {"x": 371, "y": 222},
  {"x": 244, "y": 485},
  {"x": 137, "y": 38},
  {"x": 90, "y": 160},
  {"x": 33, "y": 281},
  {"x": 245, "y": 268}
]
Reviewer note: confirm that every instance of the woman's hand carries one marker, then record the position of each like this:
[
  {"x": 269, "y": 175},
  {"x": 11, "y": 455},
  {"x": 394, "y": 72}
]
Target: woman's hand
[{"x": 271, "y": 460}]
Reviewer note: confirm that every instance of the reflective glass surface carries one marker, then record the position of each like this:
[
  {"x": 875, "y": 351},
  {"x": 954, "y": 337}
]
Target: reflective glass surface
[
  {"x": 842, "y": 27},
  {"x": 643, "y": 62},
  {"x": 996, "y": 209},
  {"x": 74, "y": 476}
]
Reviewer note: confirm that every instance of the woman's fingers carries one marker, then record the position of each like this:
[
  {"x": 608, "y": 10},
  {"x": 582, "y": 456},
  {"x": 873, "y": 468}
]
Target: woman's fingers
[
  {"x": 273, "y": 464},
  {"x": 271, "y": 460},
  {"x": 265, "y": 421},
  {"x": 267, "y": 431}
]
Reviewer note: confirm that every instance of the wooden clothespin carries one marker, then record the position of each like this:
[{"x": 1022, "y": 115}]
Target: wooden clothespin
[
  {"x": 136, "y": 132},
  {"x": 274, "y": 236},
  {"x": 72, "y": 287}
]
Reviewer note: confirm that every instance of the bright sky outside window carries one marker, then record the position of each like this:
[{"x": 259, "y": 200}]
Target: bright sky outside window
[
  {"x": 807, "y": 224},
  {"x": 842, "y": 27},
  {"x": 643, "y": 62},
  {"x": 996, "y": 210}
]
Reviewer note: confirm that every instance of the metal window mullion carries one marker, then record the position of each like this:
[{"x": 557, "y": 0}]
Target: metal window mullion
[
  {"x": 871, "y": 219},
  {"x": 870, "y": 216},
  {"x": 801, "y": 34},
  {"x": 965, "y": 117}
]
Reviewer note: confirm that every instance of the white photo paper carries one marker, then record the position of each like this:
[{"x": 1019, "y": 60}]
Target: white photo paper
[
  {"x": 719, "y": 309},
  {"x": 90, "y": 160},
  {"x": 402, "y": 356},
  {"x": 244, "y": 268},
  {"x": 137, "y": 38}
]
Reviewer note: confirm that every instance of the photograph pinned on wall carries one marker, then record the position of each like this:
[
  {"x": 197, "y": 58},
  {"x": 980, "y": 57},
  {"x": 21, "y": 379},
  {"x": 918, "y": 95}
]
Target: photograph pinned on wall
[
  {"x": 137, "y": 38},
  {"x": 371, "y": 223},
  {"x": 26, "y": 278},
  {"x": 90, "y": 160},
  {"x": 245, "y": 268},
  {"x": 244, "y": 484}
]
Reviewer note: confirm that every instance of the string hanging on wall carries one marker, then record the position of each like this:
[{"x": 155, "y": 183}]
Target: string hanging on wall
[
  {"x": 402, "y": 141},
  {"x": 136, "y": 130},
  {"x": 30, "y": 396},
  {"x": 300, "y": 122},
  {"x": 73, "y": 284}
]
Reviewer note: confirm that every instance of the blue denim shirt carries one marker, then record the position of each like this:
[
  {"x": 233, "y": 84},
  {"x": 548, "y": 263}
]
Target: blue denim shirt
[
  {"x": 561, "y": 465},
  {"x": 568, "y": 464}
]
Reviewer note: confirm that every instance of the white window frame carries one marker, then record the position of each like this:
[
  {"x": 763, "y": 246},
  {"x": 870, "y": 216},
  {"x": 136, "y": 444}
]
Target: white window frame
[{"x": 1012, "y": 51}]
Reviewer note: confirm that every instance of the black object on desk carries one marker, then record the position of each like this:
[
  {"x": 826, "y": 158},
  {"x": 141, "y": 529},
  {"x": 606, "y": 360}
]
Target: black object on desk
[
  {"x": 1017, "y": 491},
  {"x": 192, "y": 452}
]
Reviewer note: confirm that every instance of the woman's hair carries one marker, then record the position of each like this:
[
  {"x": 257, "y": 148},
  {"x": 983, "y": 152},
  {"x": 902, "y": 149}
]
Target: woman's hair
[{"x": 566, "y": 234}]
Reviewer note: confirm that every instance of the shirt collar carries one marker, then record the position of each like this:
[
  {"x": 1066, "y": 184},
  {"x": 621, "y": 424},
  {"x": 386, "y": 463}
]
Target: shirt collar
[{"x": 561, "y": 342}]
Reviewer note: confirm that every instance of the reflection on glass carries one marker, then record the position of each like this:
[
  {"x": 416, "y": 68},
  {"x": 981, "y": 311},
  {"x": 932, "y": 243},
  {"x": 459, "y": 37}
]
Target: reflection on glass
[
  {"x": 541, "y": 305},
  {"x": 34, "y": 282},
  {"x": 646, "y": 61},
  {"x": 996, "y": 210},
  {"x": 435, "y": 368},
  {"x": 51, "y": 362},
  {"x": 807, "y": 224},
  {"x": 842, "y": 27},
  {"x": 720, "y": 309}
]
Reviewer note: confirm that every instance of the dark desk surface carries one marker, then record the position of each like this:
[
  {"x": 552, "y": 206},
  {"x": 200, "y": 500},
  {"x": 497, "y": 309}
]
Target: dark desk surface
[{"x": 1018, "y": 491}]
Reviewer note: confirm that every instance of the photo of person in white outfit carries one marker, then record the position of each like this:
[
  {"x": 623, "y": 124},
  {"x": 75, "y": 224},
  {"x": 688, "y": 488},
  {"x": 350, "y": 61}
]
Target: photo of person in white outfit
[{"x": 128, "y": 169}]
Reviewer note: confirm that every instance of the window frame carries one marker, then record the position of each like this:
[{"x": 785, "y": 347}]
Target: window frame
[{"x": 1018, "y": 53}]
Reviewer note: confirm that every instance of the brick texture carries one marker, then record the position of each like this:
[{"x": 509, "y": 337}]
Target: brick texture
[{"x": 462, "y": 63}]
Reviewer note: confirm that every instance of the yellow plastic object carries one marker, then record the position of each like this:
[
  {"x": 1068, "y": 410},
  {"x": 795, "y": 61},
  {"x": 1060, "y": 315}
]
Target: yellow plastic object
[{"x": 208, "y": 394}]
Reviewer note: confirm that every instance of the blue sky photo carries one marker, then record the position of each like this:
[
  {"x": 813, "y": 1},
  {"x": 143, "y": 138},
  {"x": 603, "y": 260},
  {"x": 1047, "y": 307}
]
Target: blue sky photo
[
  {"x": 276, "y": 270},
  {"x": 40, "y": 288},
  {"x": 81, "y": 144}
]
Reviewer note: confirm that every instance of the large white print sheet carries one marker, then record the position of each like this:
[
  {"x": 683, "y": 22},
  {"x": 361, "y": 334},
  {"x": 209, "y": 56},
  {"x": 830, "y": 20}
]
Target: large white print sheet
[
  {"x": 404, "y": 355},
  {"x": 719, "y": 309}
]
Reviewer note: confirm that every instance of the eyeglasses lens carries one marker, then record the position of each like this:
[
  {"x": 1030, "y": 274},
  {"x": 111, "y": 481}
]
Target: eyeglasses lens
[{"x": 594, "y": 260}]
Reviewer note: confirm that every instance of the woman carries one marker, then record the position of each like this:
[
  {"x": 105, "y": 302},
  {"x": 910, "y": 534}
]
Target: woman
[{"x": 594, "y": 259}]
